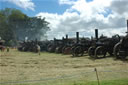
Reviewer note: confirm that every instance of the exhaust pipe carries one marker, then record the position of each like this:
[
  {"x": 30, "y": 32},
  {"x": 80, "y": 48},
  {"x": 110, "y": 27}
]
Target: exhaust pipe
[
  {"x": 77, "y": 37},
  {"x": 66, "y": 37},
  {"x": 127, "y": 27},
  {"x": 62, "y": 38},
  {"x": 96, "y": 34}
]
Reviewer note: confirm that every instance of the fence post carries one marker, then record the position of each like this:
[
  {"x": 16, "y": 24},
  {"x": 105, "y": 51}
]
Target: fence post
[{"x": 97, "y": 76}]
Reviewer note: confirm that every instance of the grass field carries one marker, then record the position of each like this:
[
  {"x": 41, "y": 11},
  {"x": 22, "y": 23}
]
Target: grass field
[{"x": 29, "y": 68}]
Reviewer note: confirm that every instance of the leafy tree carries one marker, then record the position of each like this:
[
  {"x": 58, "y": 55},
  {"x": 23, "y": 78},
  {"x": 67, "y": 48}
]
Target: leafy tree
[
  {"x": 15, "y": 25},
  {"x": 5, "y": 30}
]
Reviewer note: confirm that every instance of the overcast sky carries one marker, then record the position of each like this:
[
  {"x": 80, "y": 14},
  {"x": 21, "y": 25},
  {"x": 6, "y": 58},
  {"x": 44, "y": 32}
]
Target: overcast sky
[{"x": 70, "y": 16}]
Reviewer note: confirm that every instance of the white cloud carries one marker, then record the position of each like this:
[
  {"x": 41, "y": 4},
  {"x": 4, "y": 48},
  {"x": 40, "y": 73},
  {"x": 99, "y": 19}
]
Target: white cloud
[
  {"x": 69, "y": 2},
  {"x": 25, "y": 4},
  {"x": 85, "y": 16}
]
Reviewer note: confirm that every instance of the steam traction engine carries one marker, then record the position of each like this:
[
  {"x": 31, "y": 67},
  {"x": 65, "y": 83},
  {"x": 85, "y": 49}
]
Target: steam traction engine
[
  {"x": 121, "y": 48},
  {"x": 68, "y": 43},
  {"x": 80, "y": 46},
  {"x": 102, "y": 45},
  {"x": 55, "y": 46}
]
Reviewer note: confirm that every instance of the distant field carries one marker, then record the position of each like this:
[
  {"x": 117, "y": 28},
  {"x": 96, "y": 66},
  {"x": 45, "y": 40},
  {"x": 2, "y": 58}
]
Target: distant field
[{"x": 56, "y": 69}]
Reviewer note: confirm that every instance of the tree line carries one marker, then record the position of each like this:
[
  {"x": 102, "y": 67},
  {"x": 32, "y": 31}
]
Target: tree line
[{"x": 16, "y": 26}]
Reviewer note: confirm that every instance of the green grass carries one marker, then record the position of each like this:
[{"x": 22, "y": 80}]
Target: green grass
[
  {"x": 104, "y": 82},
  {"x": 108, "y": 82}
]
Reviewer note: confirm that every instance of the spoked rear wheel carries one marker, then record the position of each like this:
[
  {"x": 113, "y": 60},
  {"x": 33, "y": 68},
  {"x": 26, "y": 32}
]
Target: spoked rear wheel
[
  {"x": 116, "y": 50},
  {"x": 91, "y": 52},
  {"x": 78, "y": 51},
  {"x": 100, "y": 52},
  {"x": 67, "y": 50},
  {"x": 72, "y": 50},
  {"x": 58, "y": 50}
]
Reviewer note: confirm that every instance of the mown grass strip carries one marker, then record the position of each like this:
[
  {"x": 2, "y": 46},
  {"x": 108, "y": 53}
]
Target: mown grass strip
[{"x": 104, "y": 82}]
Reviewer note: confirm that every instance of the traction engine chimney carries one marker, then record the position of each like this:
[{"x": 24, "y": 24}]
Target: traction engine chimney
[{"x": 96, "y": 34}]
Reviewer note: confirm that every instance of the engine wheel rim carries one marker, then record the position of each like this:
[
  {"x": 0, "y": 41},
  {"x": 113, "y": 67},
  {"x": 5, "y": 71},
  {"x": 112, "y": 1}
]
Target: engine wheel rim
[
  {"x": 78, "y": 51},
  {"x": 72, "y": 50},
  {"x": 100, "y": 52},
  {"x": 91, "y": 52},
  {"x": 116, "y": 50}
]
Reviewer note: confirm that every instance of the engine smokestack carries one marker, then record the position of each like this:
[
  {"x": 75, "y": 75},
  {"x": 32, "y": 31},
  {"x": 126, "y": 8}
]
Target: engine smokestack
[
  {"x": 96, "y": 34},
  {"x": 66, "y": 37},
  {"x": 77, "y": 37},
  {"x": 127, "y": 27}
]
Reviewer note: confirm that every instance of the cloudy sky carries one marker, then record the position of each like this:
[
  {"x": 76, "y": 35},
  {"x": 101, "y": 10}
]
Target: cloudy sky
[{"x": 70, "y": 16}]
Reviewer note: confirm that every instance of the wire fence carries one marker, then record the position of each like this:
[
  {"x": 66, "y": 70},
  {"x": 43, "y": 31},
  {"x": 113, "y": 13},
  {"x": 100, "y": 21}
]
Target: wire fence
[{"x": 89, "y": 74}]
